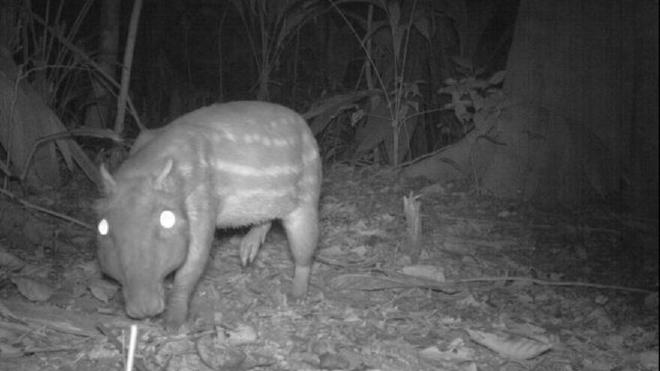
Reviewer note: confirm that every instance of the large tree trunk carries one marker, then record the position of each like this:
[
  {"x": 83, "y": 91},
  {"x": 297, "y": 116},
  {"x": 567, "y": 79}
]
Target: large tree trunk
[
  {"x": 582, "y": 81},
  {"x": 571, "y": 73},
  {"x": 643, "y": 198},
  {"x": 565, "y": 62}
]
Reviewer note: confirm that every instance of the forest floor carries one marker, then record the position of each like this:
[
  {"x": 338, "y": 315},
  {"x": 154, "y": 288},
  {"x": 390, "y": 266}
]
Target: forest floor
[{"x": 493, "y": 285}]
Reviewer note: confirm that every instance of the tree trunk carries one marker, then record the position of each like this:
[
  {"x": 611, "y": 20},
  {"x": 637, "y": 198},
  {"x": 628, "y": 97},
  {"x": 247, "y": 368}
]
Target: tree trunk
[
  {"x": 571, "y": 77},
  {"x": 643, "y": 195},
  {"x": 582, "y": 83}
]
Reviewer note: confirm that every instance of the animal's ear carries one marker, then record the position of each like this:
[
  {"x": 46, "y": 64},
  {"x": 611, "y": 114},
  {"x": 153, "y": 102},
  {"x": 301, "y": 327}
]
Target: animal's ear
[
  {"x": 163, "y": 174},
  {"x": 145, "y": 137},
  {"x": 109, "y": 183}
]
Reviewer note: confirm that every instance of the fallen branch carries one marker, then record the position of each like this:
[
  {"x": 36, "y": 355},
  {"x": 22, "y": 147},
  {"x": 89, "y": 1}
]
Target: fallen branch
[
  {"x": 391, "y": 279},
  {"x": 553, "y": 283}
]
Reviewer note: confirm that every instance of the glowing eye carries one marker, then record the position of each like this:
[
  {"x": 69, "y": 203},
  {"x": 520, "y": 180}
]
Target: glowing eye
[
  {"x": 167, "y": 219},
  {"x": 103, "y": 227}
]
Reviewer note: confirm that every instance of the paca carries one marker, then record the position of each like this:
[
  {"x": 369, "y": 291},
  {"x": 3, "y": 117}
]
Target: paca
[{"x": 225, "y": 165}]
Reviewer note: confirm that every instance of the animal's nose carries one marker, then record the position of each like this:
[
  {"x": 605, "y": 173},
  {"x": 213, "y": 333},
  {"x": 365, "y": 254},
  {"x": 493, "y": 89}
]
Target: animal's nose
[{"x": 143, "y": 306}]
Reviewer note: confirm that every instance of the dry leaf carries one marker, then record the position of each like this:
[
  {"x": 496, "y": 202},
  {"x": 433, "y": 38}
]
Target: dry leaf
[
  {"x": 8, "y": 351},
  {"x": 331, "y": 361},
  {"x": 31, "y": 270},
  {"x": 90, "y": 267},
  {"x": 362, "y": 282},
  {"x": 648, "y": 359},
  {"x": 9, "y": 261},
  {"x": 242, "y": 334},
  {"x": 434, "y": 354},
  {"x": 5, "y": 312},
  {"x": 513, "y": 347},
  {"x": 216, "y": 354},
  {"x": 102, "y": 289},
  {"x": 37, "y": 232},
  {"x": 101, "y": 351},
  {"x": 334, "y": 250},
  {"x": 425, "y": 271},
  {"x": 32, "y": 289}
]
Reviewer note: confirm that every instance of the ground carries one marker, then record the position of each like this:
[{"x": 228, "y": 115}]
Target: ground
[{"x": 493, "y": 285}]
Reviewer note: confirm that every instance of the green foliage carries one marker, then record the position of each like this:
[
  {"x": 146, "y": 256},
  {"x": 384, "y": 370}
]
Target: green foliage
[
  {"x": 47, "y": 62},
  {"x": 269, "y": 26},
  {"x": 386, "y": 71},
  {"x": 476, "y": 102}
]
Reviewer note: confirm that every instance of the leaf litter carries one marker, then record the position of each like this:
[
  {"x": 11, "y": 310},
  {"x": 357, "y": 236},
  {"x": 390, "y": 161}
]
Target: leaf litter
[{"x": 496, "y": 285}]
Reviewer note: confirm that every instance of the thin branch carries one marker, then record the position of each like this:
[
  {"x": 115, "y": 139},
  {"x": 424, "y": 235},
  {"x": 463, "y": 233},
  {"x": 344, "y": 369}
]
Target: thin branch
[
  {"x": 30, "y": 205},
  {"x": 126, "y": 68}
]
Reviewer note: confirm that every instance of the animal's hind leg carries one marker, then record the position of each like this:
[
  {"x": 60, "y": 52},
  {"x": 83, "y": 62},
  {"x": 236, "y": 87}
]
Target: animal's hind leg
[{"x": 302, "y": 229}]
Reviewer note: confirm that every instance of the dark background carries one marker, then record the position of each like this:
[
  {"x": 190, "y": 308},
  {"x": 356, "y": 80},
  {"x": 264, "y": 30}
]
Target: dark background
[{"x": 386, "y": 82}]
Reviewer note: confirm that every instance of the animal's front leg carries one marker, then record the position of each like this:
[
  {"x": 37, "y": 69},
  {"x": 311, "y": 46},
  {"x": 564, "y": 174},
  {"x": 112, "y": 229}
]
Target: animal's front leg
[
  {"x": 252, "y": 241},
  {"x": 201, "y": 221}
]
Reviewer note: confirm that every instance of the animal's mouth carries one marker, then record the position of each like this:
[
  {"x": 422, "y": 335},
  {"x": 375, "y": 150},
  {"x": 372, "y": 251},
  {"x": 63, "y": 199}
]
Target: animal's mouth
[{"x": 143, "y": 301}]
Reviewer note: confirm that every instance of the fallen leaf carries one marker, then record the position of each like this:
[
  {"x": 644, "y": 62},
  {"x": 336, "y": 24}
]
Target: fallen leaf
[
  {"x": 242, "y": 334},
  {"x": 216, "y": 354},
  {"x": 32, "y": 289},
  {"x": 9, "y": 351},
  {"x": 330, "y": 361},
  {"x": 103, "y": 289},
  {"x": 513, "y": 347},
  {"x": 425, "y": 271},
  {"x": 9, "y": 261},
  {"x": 434, "y": 354}
]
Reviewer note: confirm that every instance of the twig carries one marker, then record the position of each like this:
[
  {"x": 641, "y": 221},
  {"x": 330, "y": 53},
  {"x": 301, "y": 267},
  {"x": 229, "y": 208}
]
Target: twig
[
  {"x": 585, "y": 228},
  {"x": 18, "y": 327},
  {"x": 4, "y": 168},
  {"x": 51, "y": 349},
  {"x": 433, "y": 283},
  {"x": 45, "y": 211},
  {"x": 81, "y": 53},
  {"x": 127, "y": 66},
  {"x": 100, "y": 133},
  {"x": 552, "y": 283},
  {"x": 420, "y": 158}
]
